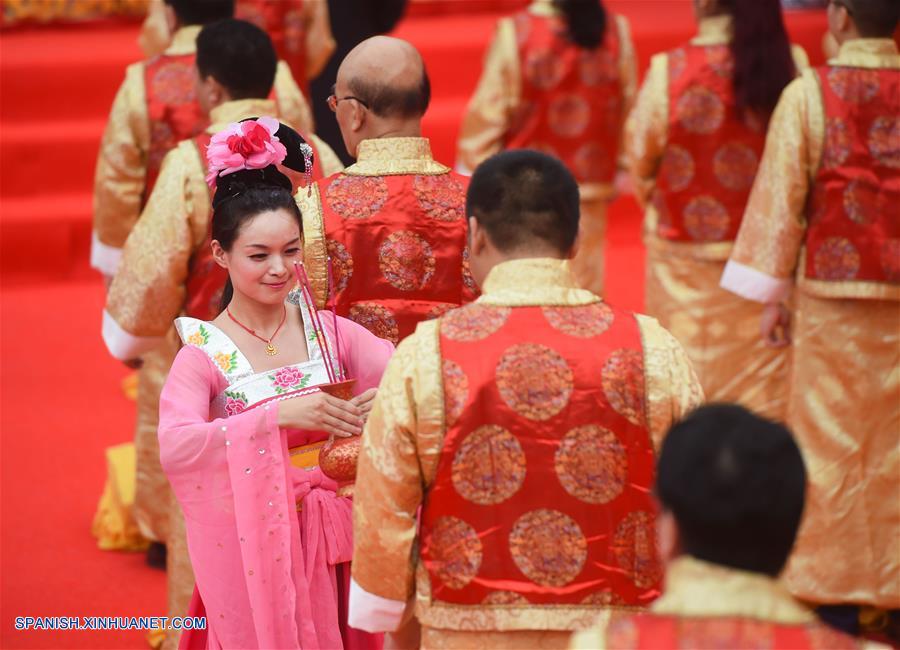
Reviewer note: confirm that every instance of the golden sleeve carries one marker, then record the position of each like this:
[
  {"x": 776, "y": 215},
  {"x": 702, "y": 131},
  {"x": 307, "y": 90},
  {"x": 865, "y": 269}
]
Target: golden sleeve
[
  {"x": 400, "y": 448},
  {"x": 646, "y": 129},
  {"x": 148, "y": 291},
  {"x": 293, "y": 109},
  {"x": 319, "y": 40},
  {"x": 329, "y": 161},
  {"x": 120, "y": 174},
  {"x": 495, "y": 102},
  {"x": 315, "y": 252},
  {"x": 774, "y": 224},
  {"x": 155, "y": 36},
  {"x": 671, "y": 386}
]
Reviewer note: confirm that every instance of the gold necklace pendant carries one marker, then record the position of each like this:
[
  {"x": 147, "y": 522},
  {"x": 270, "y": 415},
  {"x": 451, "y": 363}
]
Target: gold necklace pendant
[{"x": 270, "y": 349}]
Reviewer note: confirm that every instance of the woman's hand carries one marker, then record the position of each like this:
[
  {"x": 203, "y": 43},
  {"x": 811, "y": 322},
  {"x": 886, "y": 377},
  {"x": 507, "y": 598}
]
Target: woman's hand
[
  {"x": 321, "y": 412},
  {"x": 365, "y": 401}
]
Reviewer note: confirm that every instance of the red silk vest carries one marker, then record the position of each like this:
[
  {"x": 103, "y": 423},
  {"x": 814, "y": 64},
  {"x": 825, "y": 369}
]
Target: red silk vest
[
  {"x": 572, "y": 104},
  {"x": 661, "y": 632},
  {"x": 206, "y": 278},
  {"x": 283, "y": 21},
  {"x": 398, "y": 248},
  {"x": 712, "y": 154},
  {"x": 542, "y": 490},
  {"x": 854, "y": 208},
  {"x": 172, "y": 108}
]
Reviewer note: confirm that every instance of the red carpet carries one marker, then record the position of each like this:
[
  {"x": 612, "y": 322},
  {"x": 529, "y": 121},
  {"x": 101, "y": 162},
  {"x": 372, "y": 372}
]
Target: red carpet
[{"x": 60, "y": 403}]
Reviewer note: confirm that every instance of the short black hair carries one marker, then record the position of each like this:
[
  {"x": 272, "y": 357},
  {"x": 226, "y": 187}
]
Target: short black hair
[
  {"x": 201, "y": 12},
  {"x": 390, "y": 101},
  {"x": 874, "y": 18},
  {"x": 522, "y": 197},
  {"x": 735, "y": 483},
  {"x": 239, "y": 55}
]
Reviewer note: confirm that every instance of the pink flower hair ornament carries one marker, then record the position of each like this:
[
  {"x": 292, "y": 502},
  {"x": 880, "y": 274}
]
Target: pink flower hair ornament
[{"x": 251, "y": 144}]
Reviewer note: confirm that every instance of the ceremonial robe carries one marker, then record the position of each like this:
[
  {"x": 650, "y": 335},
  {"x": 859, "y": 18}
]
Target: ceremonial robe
[
  {"x": 540, "y": 91},
  {"x": 395, "y": 229},
  {"x": 525, "y": 427},
  {"x": 823, "y": 223},
  {"x": 693, "y": 159}
]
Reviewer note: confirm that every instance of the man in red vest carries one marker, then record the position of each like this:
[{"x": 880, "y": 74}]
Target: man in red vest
[
  {"x": 525, "y": 426},
  {"x": 822, "y": 227},
  {"x": 156, "y": 108},
  {"x": 392, "y": 224},
  {"x": 731, "y": 485}
]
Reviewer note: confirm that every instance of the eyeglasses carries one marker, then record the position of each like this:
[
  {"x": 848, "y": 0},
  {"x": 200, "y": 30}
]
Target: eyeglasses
[{"x": 333, "y": 100}]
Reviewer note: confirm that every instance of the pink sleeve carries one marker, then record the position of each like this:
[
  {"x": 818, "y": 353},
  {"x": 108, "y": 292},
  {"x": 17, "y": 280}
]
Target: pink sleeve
[
  {"x": 188, "y": 439},
  {"x": 364, "y": 355}
]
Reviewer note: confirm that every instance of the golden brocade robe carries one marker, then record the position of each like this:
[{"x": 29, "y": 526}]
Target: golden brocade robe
[
  {"x": 318, "y": 44},
  {"x": 844, "y": 403},
  {"x": 121, "y": 175},
  {"x": 713, "y": 606},
  {"x": 719, "y": 331},
  {"x": 495, "y": 108},
  {"x": 403, "y": 442}
]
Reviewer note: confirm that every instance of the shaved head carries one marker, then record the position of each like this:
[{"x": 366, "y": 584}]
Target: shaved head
[{"x": 388, "y": 75}]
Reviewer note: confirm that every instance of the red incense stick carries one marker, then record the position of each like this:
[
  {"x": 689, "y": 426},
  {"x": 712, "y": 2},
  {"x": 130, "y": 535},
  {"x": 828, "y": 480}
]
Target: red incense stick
[
  {"x": 305, "y": 292},
  {"x": 337, "y": 333}
]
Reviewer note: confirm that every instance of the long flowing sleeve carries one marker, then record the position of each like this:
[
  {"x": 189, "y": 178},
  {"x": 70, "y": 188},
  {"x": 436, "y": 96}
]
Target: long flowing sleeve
[
  {"x": 319, "y": 40},
  {"x": 496, "y": 99},
  {"x": 292, "y": 105},
  {"x": 401, "y": 445},
  {"x": 767, "y": 248},
  {"x": 148, "y": 291},
  {"x": 364, "y": 355},
  {"x": 121, "y": 170},
  {"x": 646, "y": 129},
  {"x": 672, "y": 387}
]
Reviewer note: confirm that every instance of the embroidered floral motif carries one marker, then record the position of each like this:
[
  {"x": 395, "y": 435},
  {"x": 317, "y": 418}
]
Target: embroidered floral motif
[
  {"x": 226, "y": 362},
  {"x": 591, "y": 464},
  {"x": 836, "y": 259},
  {"x": 342, "y": 264},
  {"x": 456, "y": 390},
  {"x": 456, "y": 552},
  {"x": 442, "y": 197},
  {"x": 534, "y": 381},
  {"x": 855, "y": 85},
  {"x": 489, "y": 466},
  {"x": 548, "y": 547},
  {"x": 569, "y": 115},
  {"x": 837, "y": 143},
  {"x": 677, "y": 63},
  {"x": 235, "y": 402},
  {"x": 406, "y": 260},
  {"x": 862, "y": 201},
  {"x": 544, "y": 68},
  {"x": 504, "y": 598},
  {"x": 623, "y": 384},
  {"x": 198, "y": 338},
  {"x": 634, "y": 547},
  {"x": 706, "y": 219},
  {"x": 473, "y": 322},
  {"x": 376, "y": 318},
  {"x": 719, "y": 59},
  {"x": 884, "y": 140},
  {"x": 735, "y": 166},
  {"x": 357, "y": 197},
  {"x": 700, "y": 110},
  {"x": 288, "y": 379},
  {"x": 173, "y": 82},
  {"x": 597, "y": 67},
  {"x": 603, "y": 598},
  {"x": 890, "y": 259},
  {"x": 582, "y": 321},
  {"x": 468, "y": 280}
]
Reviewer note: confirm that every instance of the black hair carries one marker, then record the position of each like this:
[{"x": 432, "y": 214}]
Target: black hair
[
  {"x": 761, "y": 50},
  {"x": 244, "y": 194},
  {"x": 523, "y": 196},
  {"x": 201, "y": 12},
  {"x": 585, "y": 21},
  {"x": 239, "y": 55},
  {"x": 874, "y": 18},
  {"x": 389, "y": 101},
  {"x": 735, "y": 483}
]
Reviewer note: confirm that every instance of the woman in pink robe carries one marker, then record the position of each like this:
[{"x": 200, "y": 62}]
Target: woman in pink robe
[{"x": 269, "y": 538}]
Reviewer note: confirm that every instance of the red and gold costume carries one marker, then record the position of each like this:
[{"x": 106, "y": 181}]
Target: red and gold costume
[
  {"x": 166, "y": 271},
  {"x": 540, "y": 91},
  {"x": 693, "y": 157},
  {"x": 153, "y": 111},
  {"x": 300, "y": 31},
  {"x": 824, "y": 217},
  {"x": 713, "y": 606},
  {"x": 395, "y": 228},
  {"x": 525, "y": 425}
]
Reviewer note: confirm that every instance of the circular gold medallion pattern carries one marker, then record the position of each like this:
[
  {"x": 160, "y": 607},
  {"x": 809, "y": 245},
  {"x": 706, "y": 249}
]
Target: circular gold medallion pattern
[
  {"x": 884, "y": 140},
  {"x": 473, "y": 322},
  {"x": 836, "y": 259},
  {"x": 455, "y": 551},
  {"x": 677, "y": 168},
  {"x": 543, "y": 68},
  {"x": 548, "y": 547},
  {"x": 705, "y": 219},
  {"x": 837, "y": 143},
  {"x": 735, "y": 166},
  {"x": 592, "y": 464},
  {"x": 504, "y": 598},
  {"x": 634, "y": 547},
  {"x": 583, "y": 321},
  {"x": 356, "y": 197},
  {"x": 341, "y": 264},
  {"x": 700, "y": 110},
  {"x": 456, "y": 390},
  {"x": 489, "y": 466},
  {"x": 623, "y": 384},
  {"x": 569, "y": 115},
  {"x": 534, "y": 381},
  {"x": 442, "y": 197},
  {"x": 376, "y": 318},
  {"x": 861, "y": 201},
  {"x": 856, "y": 85},
  {"x": 406, "y": 260}
]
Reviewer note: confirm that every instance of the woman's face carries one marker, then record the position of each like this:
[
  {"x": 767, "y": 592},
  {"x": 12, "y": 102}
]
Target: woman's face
[{"x": 261, "y": 260}]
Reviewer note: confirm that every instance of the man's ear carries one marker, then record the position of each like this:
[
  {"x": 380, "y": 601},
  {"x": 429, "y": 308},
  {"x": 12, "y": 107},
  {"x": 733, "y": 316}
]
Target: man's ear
[
  {"x": 358, "y": 117},
  {"x": 477, "y": 237},
  {"x": 219, "y": 254},
  {"x": 573, "y": 250}
]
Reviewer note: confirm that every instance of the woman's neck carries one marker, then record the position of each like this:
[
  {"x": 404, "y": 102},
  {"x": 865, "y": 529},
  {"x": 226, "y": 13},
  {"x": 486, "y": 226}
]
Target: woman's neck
[{"x": 260, "y": 317}]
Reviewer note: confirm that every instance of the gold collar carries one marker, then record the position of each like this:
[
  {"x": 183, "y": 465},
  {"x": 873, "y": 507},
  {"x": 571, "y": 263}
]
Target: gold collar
[
  {"x": 536, "y": 281},
  {"x": 239, "y": 109},
  {"x": 184, "y": 41},
  {"x": 395, "y": 157},
  {"x": 543, "y": 8},
  {"x": 868, "y": 53},
  {"x": 713, "y": 30},
  {"x": 697, "y": 588}
]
